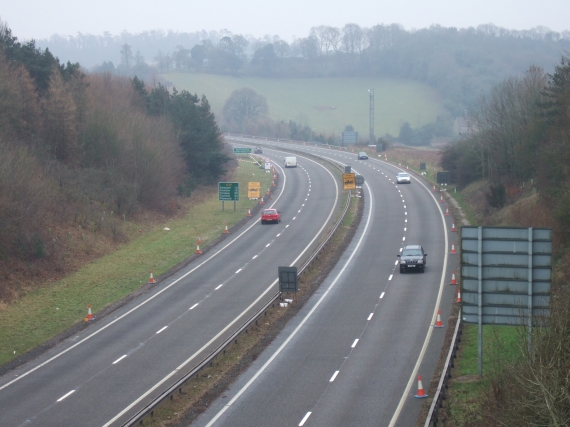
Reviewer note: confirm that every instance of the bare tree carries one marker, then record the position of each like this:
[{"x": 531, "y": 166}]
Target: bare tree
[
  {"x": 126, "y": 55},
  {"x": 352, "y": 38}
]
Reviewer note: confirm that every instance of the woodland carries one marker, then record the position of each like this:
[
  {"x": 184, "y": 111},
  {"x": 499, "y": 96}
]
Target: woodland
[{"x": 89, "y": 150}]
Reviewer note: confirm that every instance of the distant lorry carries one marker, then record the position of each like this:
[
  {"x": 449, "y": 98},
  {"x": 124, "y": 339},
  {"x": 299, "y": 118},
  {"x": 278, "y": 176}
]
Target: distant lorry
[{"x": 290, "y": 162}]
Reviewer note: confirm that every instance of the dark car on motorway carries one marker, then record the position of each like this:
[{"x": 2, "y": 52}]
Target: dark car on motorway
[
  {"x": 258, "y": 150},
  {"x": 362, "y": 155},
  {"x": 412, "y": 257},
  {"x": 270, "y": 215}
]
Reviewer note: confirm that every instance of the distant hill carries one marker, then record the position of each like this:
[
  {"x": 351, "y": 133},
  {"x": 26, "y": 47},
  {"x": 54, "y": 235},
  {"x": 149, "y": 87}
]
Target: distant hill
[
  {"x": 326, "y": 104},
  {"x": 462, "y": 63}
]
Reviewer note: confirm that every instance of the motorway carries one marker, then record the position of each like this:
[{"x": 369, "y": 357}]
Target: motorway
[
  {"x": 119, "y": 363},
  {"x": 352, "y": 355}
]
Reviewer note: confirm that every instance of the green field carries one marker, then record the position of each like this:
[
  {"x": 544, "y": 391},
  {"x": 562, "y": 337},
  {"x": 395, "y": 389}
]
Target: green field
[{"x": 326, "y": 104}]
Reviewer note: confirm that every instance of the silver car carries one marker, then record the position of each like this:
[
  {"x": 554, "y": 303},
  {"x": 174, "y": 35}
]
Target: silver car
[{"x": 403, "y": 178}]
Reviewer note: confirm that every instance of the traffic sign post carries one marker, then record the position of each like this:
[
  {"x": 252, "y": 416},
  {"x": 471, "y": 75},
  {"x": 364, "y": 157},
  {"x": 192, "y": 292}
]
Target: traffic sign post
[
  {"x": 349, "y": 181},
  {"x": 228, "y": 192},
  {"x": 505, "y": 278},
  {"x": 242, "y": 150}
]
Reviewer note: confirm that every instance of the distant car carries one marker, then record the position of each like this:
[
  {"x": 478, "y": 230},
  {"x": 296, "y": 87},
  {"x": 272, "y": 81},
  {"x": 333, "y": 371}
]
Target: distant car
[
  {"x": 362, "y": 156},
  {"x": 412, "y": 257},
  {"x": 403, "y": 178},
  {"x": 270, "y": 215},
  {"x": 258, "y": 150}
]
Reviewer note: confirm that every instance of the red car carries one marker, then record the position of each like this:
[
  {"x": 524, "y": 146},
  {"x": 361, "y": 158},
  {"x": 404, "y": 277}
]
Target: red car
[{"x": 270, "y": 215}]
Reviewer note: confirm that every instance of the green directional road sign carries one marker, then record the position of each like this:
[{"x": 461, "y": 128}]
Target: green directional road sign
[
  {"x": 242, "y": 150},
  {"x": 228, "y": 191}
]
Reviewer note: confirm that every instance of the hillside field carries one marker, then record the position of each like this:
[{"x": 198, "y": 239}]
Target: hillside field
[{"x": 326, "y": 104}]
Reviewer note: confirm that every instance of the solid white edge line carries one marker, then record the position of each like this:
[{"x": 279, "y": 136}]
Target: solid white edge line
[
  {"x": 66, "y": 396},
  {"x": 296, "y": 330},
  {"x": 119, "y": 359},
  {"x": 305, "y": 418},
  {"x": 334, "y": 376},
  {"x": 354, "y": 343},
  {"x": 243, "y": 313},
  {"x": 153, "y": 296},
  {"x": 433, "y": 319}
]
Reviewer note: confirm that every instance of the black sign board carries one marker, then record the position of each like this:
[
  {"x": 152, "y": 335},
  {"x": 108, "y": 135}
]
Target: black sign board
[
  {"x": 444, "y": 177},
  {"x": 288, "y": 281},
  {"x": 422, "y": 166}
]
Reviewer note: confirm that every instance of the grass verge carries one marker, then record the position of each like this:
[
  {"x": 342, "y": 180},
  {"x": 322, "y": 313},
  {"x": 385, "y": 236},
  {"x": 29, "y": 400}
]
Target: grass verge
[{"x": 44, "y": 313}]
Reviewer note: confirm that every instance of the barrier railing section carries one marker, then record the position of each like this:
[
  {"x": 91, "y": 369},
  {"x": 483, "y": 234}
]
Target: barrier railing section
[
  {"x": 439, "y": 397},
  {"x": 170, "y": 391},
  {"x": 291, "y": 141}
]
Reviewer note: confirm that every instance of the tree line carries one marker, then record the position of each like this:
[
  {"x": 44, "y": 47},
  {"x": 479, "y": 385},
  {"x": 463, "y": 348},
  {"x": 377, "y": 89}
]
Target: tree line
[
  {"x": 461, "y": 63},
  {"x": 520, "y": 134},
  {"x": 76, "y": 148}
]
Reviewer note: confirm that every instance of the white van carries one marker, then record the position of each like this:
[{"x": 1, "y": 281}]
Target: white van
[{"x": 290, "y": 162}]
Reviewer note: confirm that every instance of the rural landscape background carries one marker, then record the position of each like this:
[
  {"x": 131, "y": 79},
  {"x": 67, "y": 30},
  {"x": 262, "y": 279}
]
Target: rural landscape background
[{"x": 86, "y": 121}]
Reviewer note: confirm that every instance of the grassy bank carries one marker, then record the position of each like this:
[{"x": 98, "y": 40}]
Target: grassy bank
[
  {"x": 326, "y": 104},
  {"x": 48, "y": 311}
]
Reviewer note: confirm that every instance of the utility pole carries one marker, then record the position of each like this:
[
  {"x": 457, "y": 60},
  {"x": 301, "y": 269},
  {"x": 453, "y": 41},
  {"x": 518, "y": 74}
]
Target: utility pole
[{"x": 372, "y": 140}]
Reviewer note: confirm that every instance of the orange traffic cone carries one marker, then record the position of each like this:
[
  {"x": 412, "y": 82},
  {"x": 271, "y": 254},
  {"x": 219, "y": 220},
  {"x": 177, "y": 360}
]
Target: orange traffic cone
[
  {"x": 89, "y": 317},
  {"x": 441, "y": 198},
  {"x": 226, "y": 231},
  {"x": 249, "y": 212},
  {"x": 453, "y": 229},
  {"x": 453, "y": 281},
  {"x": 458, "y": 295},
  {"x": 273, "y": 184},
  {"x": 261, "y": 202},
  {"x": 199, "y": 240},
  {"x": 453, "y": 248},
  {"x": 434, "y": 190},
  {"x": 268, "y": 192},
  {"x": 421, "y": 393},
  {"x": 151, "y": 280},
  {"x": 438, "y": 323},
  {"x": 198, "y": 251},
  {"x": 407, "y": 168},
  {"x": 447, "y": 210}
]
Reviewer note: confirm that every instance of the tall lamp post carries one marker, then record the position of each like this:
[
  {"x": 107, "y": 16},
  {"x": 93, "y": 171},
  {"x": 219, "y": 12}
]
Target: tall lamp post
[{"x": 371, "y": 140}]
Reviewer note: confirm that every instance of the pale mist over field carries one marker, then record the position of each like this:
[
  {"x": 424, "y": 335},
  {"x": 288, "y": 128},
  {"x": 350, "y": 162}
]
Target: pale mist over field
[{"x": 39, "y": 19}]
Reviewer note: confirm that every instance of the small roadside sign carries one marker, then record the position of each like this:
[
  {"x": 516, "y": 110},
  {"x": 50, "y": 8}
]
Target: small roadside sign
[
  {"x": 242, "y": 150},
  {"x": 253, "y": 190},
  {"x": 267, "y": 166},
  {"x": 348, "y": 181}
]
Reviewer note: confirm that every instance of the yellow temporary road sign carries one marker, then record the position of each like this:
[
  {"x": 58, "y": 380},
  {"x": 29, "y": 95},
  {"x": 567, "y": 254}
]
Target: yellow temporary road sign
[
  {"x": 349, "y": 181},
  {"x": 254, "y": 190}
]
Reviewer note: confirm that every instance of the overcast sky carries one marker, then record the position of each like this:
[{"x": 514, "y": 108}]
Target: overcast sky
[{"x": 287, "y": 18}]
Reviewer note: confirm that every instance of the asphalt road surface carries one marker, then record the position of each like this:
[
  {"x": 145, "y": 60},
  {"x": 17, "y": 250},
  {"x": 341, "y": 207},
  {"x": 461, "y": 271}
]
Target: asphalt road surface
[
  {"x": 121, "y": 362},
  {"x": 352, "y": 355}
]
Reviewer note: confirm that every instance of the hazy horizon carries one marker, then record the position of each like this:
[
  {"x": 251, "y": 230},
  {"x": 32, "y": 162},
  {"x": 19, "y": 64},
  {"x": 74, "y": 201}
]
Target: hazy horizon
[{"x": 34, "y": 19}]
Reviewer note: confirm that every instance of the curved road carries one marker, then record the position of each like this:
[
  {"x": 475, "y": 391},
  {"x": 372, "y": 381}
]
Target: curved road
[
  {"x": 118, "y": 364},
  {"x": 351, "y": 357}
]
